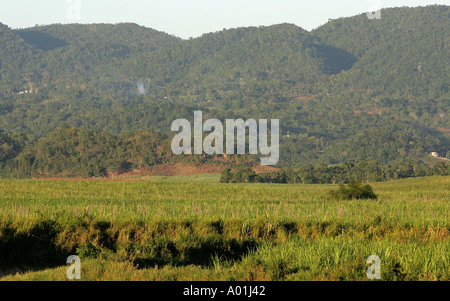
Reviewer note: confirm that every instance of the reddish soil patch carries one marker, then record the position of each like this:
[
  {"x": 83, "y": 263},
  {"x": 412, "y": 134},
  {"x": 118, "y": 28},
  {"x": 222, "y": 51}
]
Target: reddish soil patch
[
  {"x": 442, "y": 130},
  {"x": 87, "y": 179},
  {"x": 176, "y": 169},
  {"x": 304, "y": 98},
  {"x": 264, "y": 169},
  {"x": 166, "y": 169}
]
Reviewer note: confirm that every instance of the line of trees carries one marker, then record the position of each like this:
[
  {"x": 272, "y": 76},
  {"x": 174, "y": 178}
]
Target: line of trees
[{"x": 363, "y": 171}]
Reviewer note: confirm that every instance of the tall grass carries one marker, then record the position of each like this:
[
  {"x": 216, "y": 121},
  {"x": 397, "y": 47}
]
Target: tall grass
[{"x": 226, "y": 231}]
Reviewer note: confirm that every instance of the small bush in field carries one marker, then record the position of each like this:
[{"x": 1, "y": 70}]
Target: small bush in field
[
  {"x": 88, "y": 251},
  {"x": 354, "y": 190}
]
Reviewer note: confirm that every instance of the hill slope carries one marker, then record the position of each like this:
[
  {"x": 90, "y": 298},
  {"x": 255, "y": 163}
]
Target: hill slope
[{"x": 352, "y": 89}]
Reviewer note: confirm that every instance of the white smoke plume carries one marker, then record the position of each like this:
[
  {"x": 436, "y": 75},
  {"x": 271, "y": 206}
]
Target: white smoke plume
[{"x": 141, "y": 88}]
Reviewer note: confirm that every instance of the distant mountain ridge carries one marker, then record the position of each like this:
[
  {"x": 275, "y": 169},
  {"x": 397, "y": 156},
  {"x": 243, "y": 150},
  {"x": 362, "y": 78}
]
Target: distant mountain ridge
[{"x": 353, "y": 88}]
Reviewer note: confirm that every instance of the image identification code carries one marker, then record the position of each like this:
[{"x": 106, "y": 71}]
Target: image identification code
[{"x": 248, "y": 291}]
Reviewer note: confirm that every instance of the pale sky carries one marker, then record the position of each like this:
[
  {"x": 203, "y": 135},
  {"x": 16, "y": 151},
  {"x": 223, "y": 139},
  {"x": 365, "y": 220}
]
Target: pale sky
[{"x": 190, "y": 18}]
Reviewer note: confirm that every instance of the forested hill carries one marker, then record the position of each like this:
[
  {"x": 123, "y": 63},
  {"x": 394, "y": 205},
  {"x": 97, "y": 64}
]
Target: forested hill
[
  {"x": 405, "y": 54},
  {"x": 353, "y": 88}
]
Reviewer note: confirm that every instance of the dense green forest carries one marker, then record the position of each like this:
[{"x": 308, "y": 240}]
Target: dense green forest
[
  {"x": 353, "y": 89},
  {"x": 75, "y": 152}
]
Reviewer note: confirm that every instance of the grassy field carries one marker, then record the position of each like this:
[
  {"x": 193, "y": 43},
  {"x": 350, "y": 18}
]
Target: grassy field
[{"x": 190, "y": 228}]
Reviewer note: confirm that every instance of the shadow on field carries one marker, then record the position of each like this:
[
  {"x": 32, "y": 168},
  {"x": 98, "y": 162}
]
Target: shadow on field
[
  {"x": 189, "y": 252},
  {"x": 35, "y": 247}
]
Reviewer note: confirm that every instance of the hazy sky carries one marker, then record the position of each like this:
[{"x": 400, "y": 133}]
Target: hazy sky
[{"x": 190, "y": 18}]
